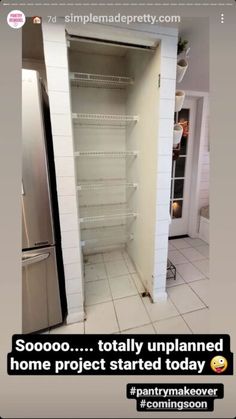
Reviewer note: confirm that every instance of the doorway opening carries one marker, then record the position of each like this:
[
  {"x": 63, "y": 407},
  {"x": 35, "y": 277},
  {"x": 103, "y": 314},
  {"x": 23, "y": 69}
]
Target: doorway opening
[{"x": 181, "y": 175}]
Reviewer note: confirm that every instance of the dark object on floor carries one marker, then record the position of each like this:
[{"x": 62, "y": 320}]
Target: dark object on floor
[{"x": 171, "y": 270}]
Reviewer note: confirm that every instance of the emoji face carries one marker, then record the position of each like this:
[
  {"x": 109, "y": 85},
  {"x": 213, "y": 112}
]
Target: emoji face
[{"x": 219, "y": 364}]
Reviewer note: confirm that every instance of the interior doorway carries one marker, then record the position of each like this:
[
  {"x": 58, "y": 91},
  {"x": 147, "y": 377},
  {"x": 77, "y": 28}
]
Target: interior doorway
[{"x": 181, "y": 175}]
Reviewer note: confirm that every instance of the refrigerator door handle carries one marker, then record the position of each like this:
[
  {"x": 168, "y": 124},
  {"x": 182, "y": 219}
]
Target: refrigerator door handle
[{"x": 29, "y": 260}]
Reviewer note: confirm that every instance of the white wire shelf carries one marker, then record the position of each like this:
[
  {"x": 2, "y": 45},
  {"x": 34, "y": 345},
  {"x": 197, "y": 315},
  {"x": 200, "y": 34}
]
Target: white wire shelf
[
  {"x": 100, "y": 80},
  {"x": 107, "y": 240},
  {"x": 107, "y": 217},
  {"x": 106, "y": 154},
  {"x": 93, "y": 186},
  {"x": 109, "y": 228},
  {"x": 103, "y": 119}
]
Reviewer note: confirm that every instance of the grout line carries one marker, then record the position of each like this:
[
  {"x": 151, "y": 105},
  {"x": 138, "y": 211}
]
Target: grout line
[
  {"x": 180, "y": 313},
  {"x": 116, "y": 316},
  {"x": 187, "y": 283},
  {"x": 134, "y": 273},
  {"x": 191, "y": 247},
  {"x": 193, "y": 312},
  {"x": 191, "y": 330},
  {"x": 149, "y": 316},
  {"x": 203, "y": 273},
  {"x": 138, "y": 294},
  {"x": 176, "y": 248},
  {"x": 194, "y": 293},
  {"x": 174, "y": 318},
  {"x": 198, "y": 294},
  {"x": 114, "y": 299},
  {"x": 136, "y": 327}
]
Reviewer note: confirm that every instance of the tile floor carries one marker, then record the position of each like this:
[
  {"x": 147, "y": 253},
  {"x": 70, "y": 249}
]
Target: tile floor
[{"x": 114, "y": 303}]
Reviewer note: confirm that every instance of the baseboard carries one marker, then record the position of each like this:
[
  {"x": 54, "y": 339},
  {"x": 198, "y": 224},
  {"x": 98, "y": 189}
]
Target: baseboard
[
  {"x": 182, "y": 236},
  {"x": 159, "y": 295},
  {"x": 78, "y": 316}
]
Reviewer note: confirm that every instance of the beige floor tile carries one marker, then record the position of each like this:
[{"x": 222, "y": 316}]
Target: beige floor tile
[
  {"x": 194, "y": 242},
  {"x": 69, "y": 329},
  {"x": 129, "y": 263},
  {"x": 95, "y": 271},
  {"x": 161, "y": 309},
  {"x": 173, "y": 282},
  {"x": 142, "y": 330},
  {"x": 170, "y": 245},
  {"x": 97, "y": 292},
  {"x": 203, "y": 266},
  {"x": 189, "y": 272},
  {"x": 131, "y": 312},
  {"x": 184, "y": 298},
  {"x": 138, "y": 283},
  {"x": 198, "y": 321},
  {"x": 114, "y": 255},
  {"x": 116, "y": 268},
  {"x": 176, "y": 257},
  {"x": 96, "y": 258},
  {"x": 180, "y": 244},
  {"x": 202, "y": 288},
  {"x": 204, "y": 250},
  {"x": 192, "y": 254},
  {"x": 122, "y": 286},
  {"x": 101, "y": 318},
  {"x": 172, "y": 326}
]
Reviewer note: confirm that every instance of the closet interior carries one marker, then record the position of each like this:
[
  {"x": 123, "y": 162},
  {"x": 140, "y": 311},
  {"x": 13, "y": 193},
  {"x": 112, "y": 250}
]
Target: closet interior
[{"x": 114, "y": 99}]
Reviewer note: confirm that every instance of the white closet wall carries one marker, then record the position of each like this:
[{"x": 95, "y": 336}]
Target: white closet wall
[
  {"x": 142, "y": 99},
  {"x": 117, "y": 194}
]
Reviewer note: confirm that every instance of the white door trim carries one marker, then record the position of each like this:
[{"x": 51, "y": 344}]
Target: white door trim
[
  {"x": 179, "y": 226},
  {"x": 200, "y": 133}
]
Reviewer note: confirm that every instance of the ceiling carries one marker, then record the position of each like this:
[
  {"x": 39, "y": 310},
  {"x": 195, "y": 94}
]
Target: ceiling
[{"x": 195, "y": 30}]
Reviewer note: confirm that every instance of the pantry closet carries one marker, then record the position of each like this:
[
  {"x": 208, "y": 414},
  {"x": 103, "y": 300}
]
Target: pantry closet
[{"x": 115, "y": 113}]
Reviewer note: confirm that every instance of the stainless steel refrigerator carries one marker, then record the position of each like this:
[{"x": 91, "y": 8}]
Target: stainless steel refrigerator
[{"x": 43, "y": 290}]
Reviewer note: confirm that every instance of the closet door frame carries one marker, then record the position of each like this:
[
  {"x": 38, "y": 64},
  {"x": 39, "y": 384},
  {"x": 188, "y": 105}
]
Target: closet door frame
[
  {"x": 179, "y": 226},
  {"x": 201, "y": 132}
]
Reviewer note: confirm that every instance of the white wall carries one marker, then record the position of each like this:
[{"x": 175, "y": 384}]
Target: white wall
[
  {"x": 164, "y": 163},
  {"x": 55, "y": 52},
  {"x": 153, "y": 138},
  {"x": 142, "y": 100}
]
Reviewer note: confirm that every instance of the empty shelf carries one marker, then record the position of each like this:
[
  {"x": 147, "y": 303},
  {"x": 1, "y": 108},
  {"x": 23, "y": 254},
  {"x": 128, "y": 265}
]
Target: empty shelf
[
  {"x": 103, "y": 119},
  {"x": 104, "y": 228},
  {"x": 100, "y": 80},
  {"x": 109, "y": 154},
  {"x": 86, "y": 186},
  {"x": 107, "y": 240},
  {"x": 107, "y": 217}
]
